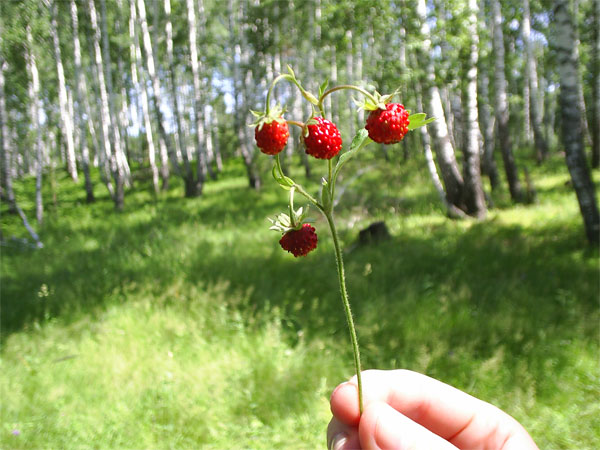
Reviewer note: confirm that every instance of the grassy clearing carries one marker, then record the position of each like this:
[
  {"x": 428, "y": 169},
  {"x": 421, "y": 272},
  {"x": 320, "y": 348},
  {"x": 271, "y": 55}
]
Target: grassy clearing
[{"x": 181, "y": 324}]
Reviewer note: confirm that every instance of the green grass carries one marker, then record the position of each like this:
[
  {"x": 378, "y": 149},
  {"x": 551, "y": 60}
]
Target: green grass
[{"x": 181, "y": 324}]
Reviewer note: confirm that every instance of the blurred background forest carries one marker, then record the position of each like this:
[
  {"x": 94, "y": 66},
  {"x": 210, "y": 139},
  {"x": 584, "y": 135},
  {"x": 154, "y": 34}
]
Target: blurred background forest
[{"x": 145, "y": 303}]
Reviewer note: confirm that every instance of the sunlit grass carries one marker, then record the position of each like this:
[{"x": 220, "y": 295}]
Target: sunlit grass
[{"x": 180, "y": 323}]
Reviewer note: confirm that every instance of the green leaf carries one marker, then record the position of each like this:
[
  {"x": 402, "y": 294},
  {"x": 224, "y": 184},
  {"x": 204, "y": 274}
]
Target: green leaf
[
  {"x": 358, "y": 141},
  {"x": 323, "y": 87},
  {"x": 418, "y": 120},
  {"x": 285, "y": 182},
  {"x": 326, "y": 199}
]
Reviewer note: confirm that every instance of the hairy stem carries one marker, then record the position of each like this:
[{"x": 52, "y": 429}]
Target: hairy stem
[
  {"x": 275, "y": 81},
  {"x": 346, "y": 86},
  {"x": 346, "y": 302}
]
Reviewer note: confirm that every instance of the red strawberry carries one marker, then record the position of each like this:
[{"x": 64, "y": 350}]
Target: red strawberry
[
  {"x": 388, "y": 126},
  {"x": 300, "y": 242},
  {"x": 271, "y": 137},
  {"x": 324, "y": 140}
]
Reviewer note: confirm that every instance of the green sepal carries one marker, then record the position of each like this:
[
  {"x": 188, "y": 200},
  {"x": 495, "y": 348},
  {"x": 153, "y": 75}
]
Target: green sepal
[
  {"x": 261, "y": 117},
  {"x": 285, "y": 182},
  {"x": 381, "y": 100},
  {"x": 283, "y": 223},
  {"x": 418, "y": 120},
  {"x": 307, "y": 95},
  {"x": 357, "y": 142}
]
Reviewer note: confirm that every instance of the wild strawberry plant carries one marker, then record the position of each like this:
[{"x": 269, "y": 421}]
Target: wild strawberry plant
[{"x": 387, "y": 123}]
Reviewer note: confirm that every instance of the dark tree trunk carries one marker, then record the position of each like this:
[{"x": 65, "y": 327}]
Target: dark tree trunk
[{"x": 502, "y": 113}]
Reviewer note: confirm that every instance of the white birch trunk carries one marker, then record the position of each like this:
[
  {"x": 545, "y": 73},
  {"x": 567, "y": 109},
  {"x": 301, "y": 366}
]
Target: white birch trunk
[
  {"x": 502, "y": 113},
  {"x": 444, "y": 150},
  {"x": 580, "y": 97},
  {"x": 124, "y": 112},
  {"x": 82, "y": 105},
  {"x": 534, "y": 104},
  {"x": 205, "y": 98},
  {"x": 241, "y": 82},
  {"x": 196, "y": 189},
  {"x": 213, "y": 124},
  {"x": 136, "y": 62},
  {"x": 474, "y": 196},
  {"x": 105, "y": 115},
  {"x": 65, "y": 118},
  {"x": 596, "y": 92},
  {"x": 164, "y": 142},
  {"x": 572, "y": 137},
  {"x": 119, "y": 152},
  {"x": 181, "y": 154},
  {"x": 6, "y": 187},
  {"x": 34, "y": 95},
  {"x": 6, "y": 154},
  {"x": 335, "y": 104},
  {"x": 350, "y": 117}
]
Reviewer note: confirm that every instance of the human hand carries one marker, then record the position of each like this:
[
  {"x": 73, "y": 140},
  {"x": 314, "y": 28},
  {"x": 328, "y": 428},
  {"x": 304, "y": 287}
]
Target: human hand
[{"x": 407, "y": 410}]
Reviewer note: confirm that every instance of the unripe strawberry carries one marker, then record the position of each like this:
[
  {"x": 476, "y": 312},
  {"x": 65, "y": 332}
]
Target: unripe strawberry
[
  {"x": 271, "y": 137},
  {"x": 324, "y": 140},
  {"x": 388, "y": 126},
  {"x": 300, "y": 242}
]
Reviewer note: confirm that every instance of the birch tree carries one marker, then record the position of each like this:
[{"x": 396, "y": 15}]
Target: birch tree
[
  {"x": 475, "y": 200},
  {"x": 34, "y": 98},
  {"x": 596, "y": 90},
  {"x": 572, "y": 136},
  {"x": 80, "y": 93},
  {"x": 205, "y": 99},
  {"x": 446, "y": 158},
  {"x": 194, "y": 186},
  {"x": 136, "y": 63},
  {"x": 541, "y": 146},
  {"x": 180, "y": 144},
  {"x": 486, "y": 119},
  {"x": 124, "y": 111},
  {"x": 164, "y": 142},
  {"x": 242, "y": 79},
  {"x": 501, "y": 109},
  {"x": 8, "y": 193},
  {"x": 585, "y": 128},
  {"x": 117, "y": 192},
  {"x": 115, "y": 132},
  {"x": 65, "y": 118}
]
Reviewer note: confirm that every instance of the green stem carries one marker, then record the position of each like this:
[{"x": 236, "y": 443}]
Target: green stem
[
  {"x": 295, "y": 122},
  {"x": 292, "y": 220},
  {"x": 298, "y": 187},
  {"x": 347, "y": 86},
  {"x": 284, "y": 76},
  {"x": 344, "y": 293}
]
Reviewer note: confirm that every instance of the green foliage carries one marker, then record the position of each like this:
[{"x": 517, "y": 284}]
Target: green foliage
[{"x": 180, "y": 323}]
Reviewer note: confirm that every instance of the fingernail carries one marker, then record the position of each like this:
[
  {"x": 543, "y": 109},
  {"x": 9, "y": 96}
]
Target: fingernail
[{"x": 338, "y": 441}]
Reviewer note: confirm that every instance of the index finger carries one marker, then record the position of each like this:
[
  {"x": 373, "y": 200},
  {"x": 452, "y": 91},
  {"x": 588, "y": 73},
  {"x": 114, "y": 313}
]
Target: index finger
[{"x": 448, "y": 412}]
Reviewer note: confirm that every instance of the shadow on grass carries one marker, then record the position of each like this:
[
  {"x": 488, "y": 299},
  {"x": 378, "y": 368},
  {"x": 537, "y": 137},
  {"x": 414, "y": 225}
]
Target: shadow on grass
[{"x": 442, "y": 291}]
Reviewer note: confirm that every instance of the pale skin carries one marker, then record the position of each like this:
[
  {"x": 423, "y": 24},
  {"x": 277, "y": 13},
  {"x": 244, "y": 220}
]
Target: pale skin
[{"x": 407, "y": 410}]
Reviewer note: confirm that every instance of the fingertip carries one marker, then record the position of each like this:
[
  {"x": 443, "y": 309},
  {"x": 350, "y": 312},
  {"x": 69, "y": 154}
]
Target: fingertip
[
  {"x": 341, "y": 436},
  {"x": 377, "y": 429},
  {"x": 344, "y": 404},
  {"x": 382, "y": 427}
]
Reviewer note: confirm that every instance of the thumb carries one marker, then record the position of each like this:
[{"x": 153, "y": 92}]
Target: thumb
[{"x": 382, "y": 427}]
